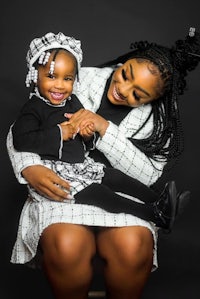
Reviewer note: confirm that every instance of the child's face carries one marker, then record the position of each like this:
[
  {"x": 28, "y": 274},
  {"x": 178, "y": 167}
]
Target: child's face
[
  {"x": 58, "y": 86},
  {"x": 133, "y": 84}
]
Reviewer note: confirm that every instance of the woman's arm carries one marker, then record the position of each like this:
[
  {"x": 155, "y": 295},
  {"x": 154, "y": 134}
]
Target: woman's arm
[
  {"x": 115, "y": 143},
  {"x": 20, "y": 160},
  {"x": 118, "y": 149},
  {"x": 46, "y": 182},
  {"x": 28, "y": 168},
  {"x": 125, "y": 156}
]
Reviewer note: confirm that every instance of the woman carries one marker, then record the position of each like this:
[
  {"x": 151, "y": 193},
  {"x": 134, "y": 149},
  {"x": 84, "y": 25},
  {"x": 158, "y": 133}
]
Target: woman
[{"x": 136, "y": 100}]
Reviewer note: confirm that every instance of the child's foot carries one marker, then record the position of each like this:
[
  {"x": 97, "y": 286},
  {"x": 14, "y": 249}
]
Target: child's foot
[
  {"x": 170, "y": 206},
  {"x": 165, "y": 209}
]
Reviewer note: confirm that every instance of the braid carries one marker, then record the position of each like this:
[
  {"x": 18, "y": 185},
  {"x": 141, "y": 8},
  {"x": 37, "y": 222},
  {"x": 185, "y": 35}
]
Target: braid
[
  {"x": 166, "y": 140},
  {"x": 167, "y": 126}
]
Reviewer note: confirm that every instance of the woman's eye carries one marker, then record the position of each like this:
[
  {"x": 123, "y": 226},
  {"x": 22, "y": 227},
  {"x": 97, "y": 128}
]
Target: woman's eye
[
  {"x": 124, "y": 75},
  {"x": 136, "y": 96}
]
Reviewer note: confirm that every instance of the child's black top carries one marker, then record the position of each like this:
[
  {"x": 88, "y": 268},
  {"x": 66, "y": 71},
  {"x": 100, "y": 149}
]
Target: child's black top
[{"x": 36, "y": 130}]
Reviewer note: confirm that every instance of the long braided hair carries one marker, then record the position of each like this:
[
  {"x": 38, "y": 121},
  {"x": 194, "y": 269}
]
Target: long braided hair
[{"x": 166, "y": 140}]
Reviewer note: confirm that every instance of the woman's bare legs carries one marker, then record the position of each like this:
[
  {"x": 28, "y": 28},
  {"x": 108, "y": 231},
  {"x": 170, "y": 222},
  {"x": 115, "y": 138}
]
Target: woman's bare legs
[
  {"x": 128, "y": 255},
  {"x": 68, "y": 251},
  {"x": 67, "y": 255}
]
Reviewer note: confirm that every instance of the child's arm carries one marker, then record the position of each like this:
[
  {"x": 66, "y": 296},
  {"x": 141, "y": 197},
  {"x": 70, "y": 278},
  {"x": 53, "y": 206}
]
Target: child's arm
[{"x": 31, "y": 134}]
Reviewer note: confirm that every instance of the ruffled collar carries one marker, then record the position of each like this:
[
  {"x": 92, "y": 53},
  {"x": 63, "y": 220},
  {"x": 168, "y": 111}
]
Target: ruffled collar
[{"x": 37, "y": 94}]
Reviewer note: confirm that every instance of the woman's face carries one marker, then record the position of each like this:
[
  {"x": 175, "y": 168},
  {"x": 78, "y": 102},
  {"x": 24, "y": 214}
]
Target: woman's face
[{"x": 133, "y": 84}]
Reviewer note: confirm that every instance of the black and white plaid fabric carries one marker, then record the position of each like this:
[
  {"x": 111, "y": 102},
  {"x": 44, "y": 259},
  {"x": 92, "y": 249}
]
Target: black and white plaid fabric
[
  {"x": 115, "y": 145},
  {"x": 53, "y": 41}
]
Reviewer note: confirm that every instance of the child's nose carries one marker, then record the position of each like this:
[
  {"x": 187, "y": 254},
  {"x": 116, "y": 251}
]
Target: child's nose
[{"x": 59, "y": 83}]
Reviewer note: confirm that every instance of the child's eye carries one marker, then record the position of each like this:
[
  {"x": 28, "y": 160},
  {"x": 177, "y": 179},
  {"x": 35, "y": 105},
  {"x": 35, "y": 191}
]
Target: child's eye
[
  {"x": 136, "y": 96},
  {"x": 51, "y": 76},
  {"x": 124, "y": 75},
  {"x": 69, "y": 79}
]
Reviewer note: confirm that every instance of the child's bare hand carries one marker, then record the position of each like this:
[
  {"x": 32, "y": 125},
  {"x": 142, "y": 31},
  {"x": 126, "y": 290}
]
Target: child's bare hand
[
  {"x": 68, "y": 130},
  {"x": 82, "y": 117},
  {"x": 88, "y": 131}
]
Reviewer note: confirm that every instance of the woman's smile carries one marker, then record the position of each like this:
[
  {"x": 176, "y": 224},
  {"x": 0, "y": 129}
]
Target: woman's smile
[
  {"x": 116, "y": 95},
  {"x": 133, "y": 84}
]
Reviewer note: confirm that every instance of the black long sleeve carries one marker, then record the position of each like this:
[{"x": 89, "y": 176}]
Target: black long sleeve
[{"x": 36, "y": 130}]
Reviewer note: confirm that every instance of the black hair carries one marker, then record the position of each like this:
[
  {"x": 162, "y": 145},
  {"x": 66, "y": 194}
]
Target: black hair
[
  {"x": 166, "y": 140},
  {"x": 56, "y": 51}
]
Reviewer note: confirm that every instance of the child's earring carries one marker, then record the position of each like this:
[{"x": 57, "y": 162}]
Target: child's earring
[{"x": 77, "y": 82}]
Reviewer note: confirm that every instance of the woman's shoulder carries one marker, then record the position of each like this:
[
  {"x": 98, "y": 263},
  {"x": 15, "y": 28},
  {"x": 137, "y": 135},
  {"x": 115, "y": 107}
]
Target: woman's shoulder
[
  {"x": 93, "y": 72},
  {"x": 91, "y": 85},
  {"x": 137, "y": 118}
]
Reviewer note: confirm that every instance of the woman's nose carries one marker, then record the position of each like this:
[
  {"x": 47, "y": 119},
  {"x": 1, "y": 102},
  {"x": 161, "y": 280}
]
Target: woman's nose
[{"x": 124, "y": 90}]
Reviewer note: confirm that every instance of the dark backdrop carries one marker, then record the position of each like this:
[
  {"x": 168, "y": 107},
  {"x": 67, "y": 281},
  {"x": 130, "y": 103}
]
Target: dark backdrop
[{"x": 106, "y": 29}]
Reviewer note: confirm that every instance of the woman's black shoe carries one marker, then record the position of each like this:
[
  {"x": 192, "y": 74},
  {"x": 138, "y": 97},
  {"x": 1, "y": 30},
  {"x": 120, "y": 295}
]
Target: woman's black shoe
[{"x": 166, "y": 207}]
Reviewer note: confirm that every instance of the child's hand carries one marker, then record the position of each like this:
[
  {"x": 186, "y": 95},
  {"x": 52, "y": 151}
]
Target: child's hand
[
  {"x": 68, "y": 130},
  {"x": 83, "y": 117},
  {"x": 88, "y": 131}
]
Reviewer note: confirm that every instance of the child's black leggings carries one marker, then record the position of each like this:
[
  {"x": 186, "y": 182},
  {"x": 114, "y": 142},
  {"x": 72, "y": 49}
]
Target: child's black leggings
[{"x": 104, "y": 196}]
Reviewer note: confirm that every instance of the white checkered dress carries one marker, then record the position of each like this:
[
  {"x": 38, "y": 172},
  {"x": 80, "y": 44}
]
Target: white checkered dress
[{"x": 121, "y": 153}]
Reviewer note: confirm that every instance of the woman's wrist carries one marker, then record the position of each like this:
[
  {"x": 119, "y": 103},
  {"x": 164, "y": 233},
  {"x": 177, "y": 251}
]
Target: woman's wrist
[{"x": 103, "y": 129}]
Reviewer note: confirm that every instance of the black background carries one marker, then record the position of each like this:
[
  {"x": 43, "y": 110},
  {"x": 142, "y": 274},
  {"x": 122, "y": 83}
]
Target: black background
[{"x": 106, "y": 29}]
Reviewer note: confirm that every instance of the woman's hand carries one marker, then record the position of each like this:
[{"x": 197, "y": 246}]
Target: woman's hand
[
  {"x": 81, "y": 118},
  {"x": 46, "y": 182}
]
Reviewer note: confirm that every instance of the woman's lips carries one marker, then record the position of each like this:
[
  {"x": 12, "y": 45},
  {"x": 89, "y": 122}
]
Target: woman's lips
[{"x": 116, "y": 96}]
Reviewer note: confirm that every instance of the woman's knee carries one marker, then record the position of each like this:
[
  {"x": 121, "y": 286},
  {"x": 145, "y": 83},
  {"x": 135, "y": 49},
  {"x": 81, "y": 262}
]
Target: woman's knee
[
  {"x": 65, "y": 243},
  {"x": 130, "y": 246}
]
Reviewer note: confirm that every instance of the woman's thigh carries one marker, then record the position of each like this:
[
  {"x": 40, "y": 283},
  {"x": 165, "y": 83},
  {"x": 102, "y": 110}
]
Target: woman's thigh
[
  {"x": 128, "y": 259},
  {"x": 68, "y": 242},
  {"x": 131, "y": 245}
]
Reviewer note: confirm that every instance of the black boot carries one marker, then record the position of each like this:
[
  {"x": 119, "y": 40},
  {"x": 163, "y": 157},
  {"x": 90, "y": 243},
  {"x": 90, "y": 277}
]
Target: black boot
[
  {"x": 170, "y": 205},
  {"x": 166, "y": 207}
]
